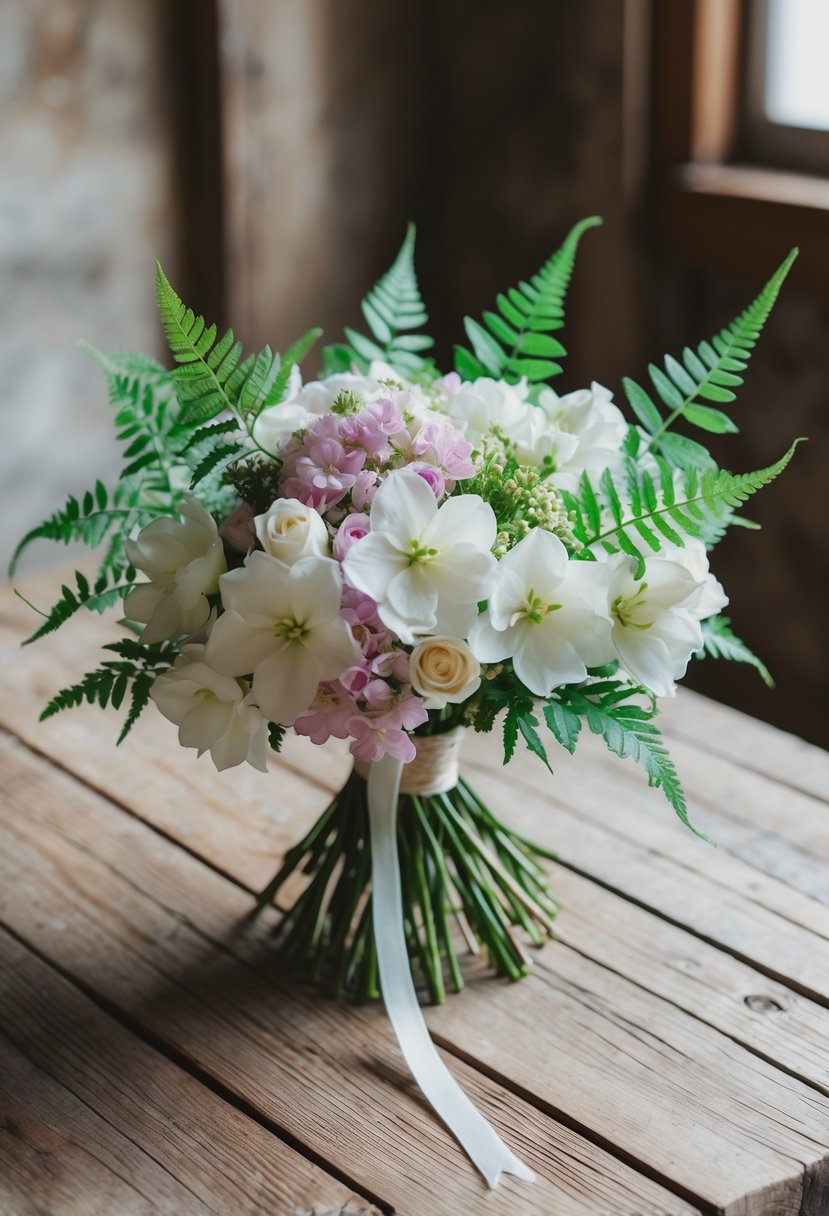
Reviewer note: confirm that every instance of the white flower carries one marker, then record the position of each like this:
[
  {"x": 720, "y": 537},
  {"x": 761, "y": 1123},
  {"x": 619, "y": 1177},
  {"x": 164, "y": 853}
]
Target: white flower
[
  {"x": 591, "y": 431},
  {"x": 275, "y": 424},
  {"x": 425, "y": 566},
  {"x": 212, "y": 711},
  {"x": 282, "y": 623},
  {"x": 444, "y": 671},
  {"x": 547, "y": 613},
  {"x": 711, "y": 598},
  {"x": 183, "y": 561},
  {"x": 290, "y": 531},
  {"x": 655, "y": 629},
  {"x": 478, "y": 405}
]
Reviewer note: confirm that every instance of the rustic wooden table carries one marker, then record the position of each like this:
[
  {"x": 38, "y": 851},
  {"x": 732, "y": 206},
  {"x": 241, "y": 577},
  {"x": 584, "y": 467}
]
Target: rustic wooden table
[{"x": 669, "y": 1053}]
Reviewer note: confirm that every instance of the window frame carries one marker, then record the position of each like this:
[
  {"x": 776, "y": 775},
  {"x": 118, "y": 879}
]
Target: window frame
[
  {"x": 801, "y": 149},
  {"x": 709, "y": 206}
]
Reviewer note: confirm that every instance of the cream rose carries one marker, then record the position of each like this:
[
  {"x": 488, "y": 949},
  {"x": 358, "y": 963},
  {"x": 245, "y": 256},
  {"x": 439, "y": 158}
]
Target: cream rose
[
  {"x": 444, "y": 671},
  {"x": 290, "y": 531}
]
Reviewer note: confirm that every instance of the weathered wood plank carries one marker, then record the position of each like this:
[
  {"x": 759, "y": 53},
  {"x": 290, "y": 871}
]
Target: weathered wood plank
[
  {"x": 92, "y": 1119},
  {"x": 638, "y": 848},
  {"x": 327, "y": 1072},
  {"x": 666, "y": 1090},
  {"x": 723, "y": 731}
]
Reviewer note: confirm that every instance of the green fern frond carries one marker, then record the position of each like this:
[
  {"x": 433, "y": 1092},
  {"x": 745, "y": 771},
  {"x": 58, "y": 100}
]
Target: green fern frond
[
  {"x": 134, "y": 672},
  {"x": 644, "y": 511},
  {"x": 106, "y": 591},
  {"x": 709, "y": 374},
  {"x": 209, "y": 374},
  {"x": 720, "y": 642},
  {"x": 629, "y": 732},
  {"x": 393, "y": 310},
  {"x": 292, "y": 357},
  {"x": 515, "y": 341}
]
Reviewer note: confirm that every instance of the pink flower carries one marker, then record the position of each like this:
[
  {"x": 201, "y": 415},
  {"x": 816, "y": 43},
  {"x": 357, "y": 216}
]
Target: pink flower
[
  {"x": 371, "y": 427},
  {"x": 433, "y": 477},
  {"x": 366, "y": 485},
  {"x": 451, "y": 382},
  {"x": 328, "y": 716},
  {"x": 238, "y": 528},
  {"x": 353, "y": 528},
  {"x": 438, "y": 442},
  {"x": 372, "y": 742}
]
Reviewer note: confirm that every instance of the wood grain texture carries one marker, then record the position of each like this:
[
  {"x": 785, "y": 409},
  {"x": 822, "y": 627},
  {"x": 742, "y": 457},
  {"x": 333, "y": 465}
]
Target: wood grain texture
[
  {"x": 92, "y": 1119},
  {"x": 609, "y": 1058},
  {"x": 160, "y": 936},
  {"x": 724, "y": 731}
]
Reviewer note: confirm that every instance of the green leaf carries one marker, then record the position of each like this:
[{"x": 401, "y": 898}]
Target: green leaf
[
  {"x": 710, "y": 373},
  {"x": 205, "y": 366},
  {"x": 704, "y": 508},
  {"x": 710, "y": 420},
  {"x": 528, "y": 725},
  {"x": 515, "y": 341},
  {"x": 628, "y": 732},
  {"x": 96, "y": 598},
  {"x": 564, "y": 723},
  {"x": 720, "y": 642},
  {"x": 276, "y": 734},
  {"x": 393, "y": 310},
  {"x": 510, "y": 732},
  {"x": 642, "y": 405}
]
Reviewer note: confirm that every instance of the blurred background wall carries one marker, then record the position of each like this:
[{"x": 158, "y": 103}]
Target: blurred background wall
[{"x": 269, "y": 152}]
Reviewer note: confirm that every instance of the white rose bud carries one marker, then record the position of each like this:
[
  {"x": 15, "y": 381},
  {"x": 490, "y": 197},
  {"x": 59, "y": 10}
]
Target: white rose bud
[
  {"x": 290, "y": 531},
  {"x": 444, "y": 671}
]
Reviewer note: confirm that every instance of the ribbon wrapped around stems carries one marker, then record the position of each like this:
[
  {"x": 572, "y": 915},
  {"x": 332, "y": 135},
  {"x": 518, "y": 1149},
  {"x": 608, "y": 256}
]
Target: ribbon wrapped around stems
[{"x": 433, "y": 771}]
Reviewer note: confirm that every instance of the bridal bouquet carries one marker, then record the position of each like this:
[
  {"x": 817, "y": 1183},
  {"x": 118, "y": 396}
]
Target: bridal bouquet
[{"x": 389, "y": 554}]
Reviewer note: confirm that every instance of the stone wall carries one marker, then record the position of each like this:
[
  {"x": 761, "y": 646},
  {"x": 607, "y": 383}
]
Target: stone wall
[{"x": 85, "y": 205}]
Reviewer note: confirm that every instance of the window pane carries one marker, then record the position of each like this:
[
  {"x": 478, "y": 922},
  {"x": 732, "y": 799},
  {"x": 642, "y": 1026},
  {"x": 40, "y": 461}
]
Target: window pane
[{"x": 796, "y": 90}]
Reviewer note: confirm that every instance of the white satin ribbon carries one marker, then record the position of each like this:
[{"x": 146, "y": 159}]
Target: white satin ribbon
[{"x": 485, "y": 1148}]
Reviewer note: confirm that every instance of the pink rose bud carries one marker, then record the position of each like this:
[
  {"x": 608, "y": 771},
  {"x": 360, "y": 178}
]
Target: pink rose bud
[
  {"x": 238, "y": 528},
  {"x": 353, "y": 528}
]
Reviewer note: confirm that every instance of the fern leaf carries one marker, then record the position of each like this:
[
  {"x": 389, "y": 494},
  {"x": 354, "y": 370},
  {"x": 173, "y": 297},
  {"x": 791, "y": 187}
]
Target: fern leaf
[
  {"x": 720, "y": 642},
  {"x": 394, "y": 310},
  {"x": 709, "y": 374},
  {"x": 704, "y": 509},
  {"x": 139, "y": 697},
  {"x": 204, "y": 365},
  {"x": 515, "y": 341},
  {"x": 97, "y": 598},
  {"x": 293, "y": 356},
  {"x": 628, "y": 732}
]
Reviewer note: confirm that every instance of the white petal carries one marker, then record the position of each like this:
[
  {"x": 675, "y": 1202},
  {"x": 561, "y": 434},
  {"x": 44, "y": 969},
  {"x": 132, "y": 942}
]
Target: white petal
[
  {"x": 259, "y": 591},
  {"x": 412, "y": 595},
  {"x": 543, "y": 660},
  {"x": 402, "y": 508},
  {"x": 333, "y": 647},
  {"x": 285, "y": 683},
  {"x": 316, "y": 590},
  {"x": 463, "y": 574},
  {"x": 453, "y": 619},
  {"x": 540, "y": 562},
  {"x": 373, "y": 562},
  {"x": 206, "y": 722},
  {"x": 465, "y": 519},
  {"x": 236, "y": 648},
  {"x": 669, "y": 583},
  {"x": 491, "y": 645},
  {"x": 142, "y": 601},
  {"x": 508, "y": 597},
  {"x": 647, "y": 659}
]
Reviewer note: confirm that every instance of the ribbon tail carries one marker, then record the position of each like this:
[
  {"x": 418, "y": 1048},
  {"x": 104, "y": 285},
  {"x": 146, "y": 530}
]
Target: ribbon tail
[{"x": 478, "y": 1139}]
